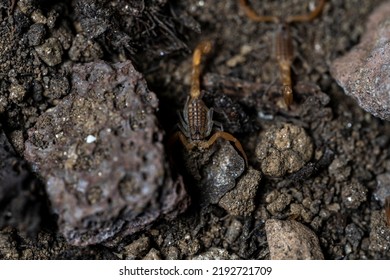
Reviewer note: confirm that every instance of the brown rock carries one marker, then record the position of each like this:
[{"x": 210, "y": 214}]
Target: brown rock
[
  {"x": 363, "y": 72},
  {"x": 290, "y": 240},
  {"x": 100, "y": 152},
  {"x": 240, "y": 200}
]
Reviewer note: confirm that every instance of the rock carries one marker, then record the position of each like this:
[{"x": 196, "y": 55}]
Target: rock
[
  {"x": 277, "y": 202},
  {"x": 240, "y": 200},
  {"x": 216, "y": 254},
  {"x": 137, "y": 249},
  {"x": 340, "y": 169},
  {"x": 189, "y": 245},
  {"x": 8, "y": 249},
  {"x": 233, "y": 231},
  {"x": 153, "y": 254},
  {"x": 290, "y": 240},
  {"x": 380, "y": 233},
  {"x": 16, "y": 93},
  {"x": 100, "y": 152},
  {"x": 353, "y": 194},
  {"x": 173, "y": 253},
  {"x": 55, "y": 87},
  {"x": 299, "y": 211},
  {"x": 364, "y": 72},
  {"x": 284, "y": 149},
  {"x": 50, "y": 52},
  {"x": 219, "y": 175},
  {"x": 354, "y": 235},
  {"x": 84, "y": 50},
  {"x": 36, "y": 34},
  {"x": 383, "y": 188}
]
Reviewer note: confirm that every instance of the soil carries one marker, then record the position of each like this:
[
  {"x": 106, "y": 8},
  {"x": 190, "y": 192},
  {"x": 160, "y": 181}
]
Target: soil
[{"x": 89, "y": 96}]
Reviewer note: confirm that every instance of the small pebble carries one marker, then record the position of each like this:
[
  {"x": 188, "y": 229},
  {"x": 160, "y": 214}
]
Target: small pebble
[
  {"x": 339, "y": 169},
  {"x": 137, "y": 249},
  {"x": 216, "y": 254},
  {"x": 280, "y": 203},
  {"x": 233, "y": 231},
  {"x": 354, "y": 235},
  {"x": 290, "y": 240},
  {"x": 50, "y": 52},
  {"x": 153, "y": 254},
  {"x": 382, "y": 188},
  {"x": 240, "y": 200},
  {"x": 353, "y": 194}
]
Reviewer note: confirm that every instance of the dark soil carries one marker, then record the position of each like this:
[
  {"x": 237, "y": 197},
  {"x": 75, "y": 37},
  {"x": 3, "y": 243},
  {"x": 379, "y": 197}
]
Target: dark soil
[{"x": 89, "y": 96}]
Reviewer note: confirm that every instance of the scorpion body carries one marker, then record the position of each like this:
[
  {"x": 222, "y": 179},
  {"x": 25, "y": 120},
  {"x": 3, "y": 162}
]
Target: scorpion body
[{"x": 196, "y": 121}]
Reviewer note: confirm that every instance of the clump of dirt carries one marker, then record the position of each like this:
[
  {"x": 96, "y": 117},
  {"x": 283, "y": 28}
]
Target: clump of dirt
[
  {"x": 101, "y": 61},
  {"x": 284, "y": 150}
]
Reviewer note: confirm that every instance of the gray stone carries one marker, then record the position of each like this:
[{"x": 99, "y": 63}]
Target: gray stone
[
  {"x": 364, "y": 72},
  {"x": 290, "y": 240}
]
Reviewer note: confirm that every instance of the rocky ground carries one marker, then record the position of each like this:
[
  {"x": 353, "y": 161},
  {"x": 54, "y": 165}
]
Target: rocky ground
[{"x": 89, "y": 96}]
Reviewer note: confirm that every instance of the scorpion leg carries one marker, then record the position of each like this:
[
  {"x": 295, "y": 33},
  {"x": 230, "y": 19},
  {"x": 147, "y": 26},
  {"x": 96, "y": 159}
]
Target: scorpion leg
[
  {"x": 228, "y": 137},
  {"x": 183, "y": 125},
  {"x": 309, "y": 16},
  {"x": 178, "y": 135},
  {"x": 254, "y": 16}
]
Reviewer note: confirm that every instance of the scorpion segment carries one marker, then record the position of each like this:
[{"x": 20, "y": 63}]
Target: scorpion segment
[
  {"x": 283, "y": 48},
  {"x": 199, "y": 119},
  {"x": 203, "y": 48},
  {"x": 228, "y": 137},
  {"x": 285, "y": 72}
]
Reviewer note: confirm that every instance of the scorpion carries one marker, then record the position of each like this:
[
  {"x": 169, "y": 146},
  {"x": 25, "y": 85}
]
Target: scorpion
[
  {"x": 196, "y": 121},
  {"x": 283, "y": 47}
]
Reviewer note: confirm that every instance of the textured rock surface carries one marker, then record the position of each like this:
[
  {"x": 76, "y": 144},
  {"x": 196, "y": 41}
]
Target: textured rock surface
[
  {"x": 240, "y": 200},
  {"x": 364, "y": 72},
  {"x": 283, "y": 150},
  {"x": 216, "y": 254},
  {"x": 220, "y": 176},
  {"x": 353, "y": 194},
  {"x": 100, "y": 152},
  {"x": 290, "y": 240},
  {"x": 215, "y": 171},
  {"x": 383, "y": 187},
  {"x": 380, "y": 233}
]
